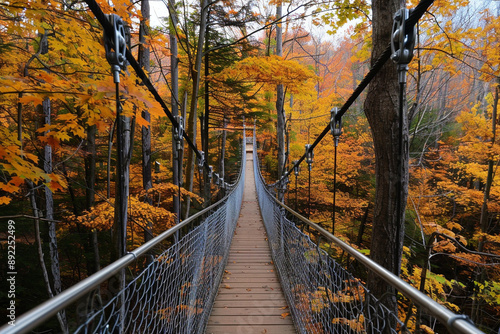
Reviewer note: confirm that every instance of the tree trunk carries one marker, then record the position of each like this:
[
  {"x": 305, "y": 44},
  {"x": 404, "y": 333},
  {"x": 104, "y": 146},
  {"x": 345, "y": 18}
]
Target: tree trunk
[
  {"x": 381, "y": 108},
  {"x": 362, "y": 226},
  {"x": 484, "y": 208},
  {"x": 56, "y": 273},
  {"x": 43, "y": 266},
  {"x": 90, "y": 172},
  {"x": 174, "y": 78},
  {"x": 108, "y": 167},
  {"x": 71, "y": 190},
  {"x": 205, "y": 125},
  {"x": 190, "y": 169},
  {"x": 222, "y": 166},
  {"x": 60, "y": 315},
  {"x": 280, "y": 101},
  {"x": 95, "y": 247},
  {"x": 90, "y": 180},
  {"x": 489, "y": 177},
  {"x": 147, "y": 178},
  {"x": 49, "y": 215},
  {"x": 196, "y": 73}
]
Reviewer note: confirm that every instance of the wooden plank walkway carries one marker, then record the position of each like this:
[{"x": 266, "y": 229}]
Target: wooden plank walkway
[{"x": 250, "y": 299}]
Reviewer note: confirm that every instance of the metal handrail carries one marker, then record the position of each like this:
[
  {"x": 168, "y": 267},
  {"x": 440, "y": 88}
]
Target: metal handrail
[
  {"x": 456, "y": 323},
  {"x": 36, "y": 316}
]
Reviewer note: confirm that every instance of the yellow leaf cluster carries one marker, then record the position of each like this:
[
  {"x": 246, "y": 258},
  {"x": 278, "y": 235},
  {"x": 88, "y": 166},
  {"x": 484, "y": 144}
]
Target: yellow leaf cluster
[
  {"x": 19, "y": 165},
  {"x": 161, "y": 193},
  {"x": 356, "y": 325},
  {"x": 426, "y": 329},
  {"x": 271, "y": 70},
  {"x": 185, "y": 310},
  {"x": 101, "y": 217}
]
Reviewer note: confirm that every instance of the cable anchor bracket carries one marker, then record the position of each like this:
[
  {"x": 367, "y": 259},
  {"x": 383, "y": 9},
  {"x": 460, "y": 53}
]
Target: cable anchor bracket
[
  {"x": 402, "y": 42},
  {"x": 335, "y": 125},
  {"x": 283, "y": 182},
  {"x": 210, "y": 172},
  {"x": 296, "y": 167},
  {"x": 201, "y": 161},
  {"x": 179, "y": 132},
  {"x": 309, "y": 156},
  {"x": 115, "y": 44}
]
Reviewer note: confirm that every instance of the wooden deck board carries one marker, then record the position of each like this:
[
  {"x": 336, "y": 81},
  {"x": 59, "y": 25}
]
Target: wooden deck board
[
  {"x": 238, "y": 311},
  {"x": 253, "y": 329},
  {"x": 250, "y": 298},
  {"x": 256, "y": 304}
]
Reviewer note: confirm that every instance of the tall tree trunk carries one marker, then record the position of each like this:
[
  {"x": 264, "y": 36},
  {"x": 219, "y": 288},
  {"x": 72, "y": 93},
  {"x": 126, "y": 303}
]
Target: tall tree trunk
[
  {"x": 90, "y": 171},
  {"x": 362, "y": 226},
  {"x": 222, "y": 166},
  {"x": 280, "y": 101},
  {"x": 108, "y": 167},
  {"x": 49, "y": 215},
  {"x": 489, "y": 177},
  {"x": 205, "y": 125},
  {"x": 174, "y": 78},
  {"x": 43, "y": 266},
  {"x": 90, "y": 180},
  {"x": 190, "y": 167},
  {"x": 56, "y": 273},
  {"x": 381, "y": 108},
  {"x": 71, "y": 190},
  {"x": 196, "y": 73},
  {"x": 317, "y": 52},
  {"x": 144, "y": 57},
  {"x": 60, "y": 315}
]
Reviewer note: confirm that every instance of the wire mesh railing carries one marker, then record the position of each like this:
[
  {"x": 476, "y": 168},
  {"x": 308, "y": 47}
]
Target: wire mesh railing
[
  {"x": 173, "y": 294},
  {"x": 322, "y": 295}
]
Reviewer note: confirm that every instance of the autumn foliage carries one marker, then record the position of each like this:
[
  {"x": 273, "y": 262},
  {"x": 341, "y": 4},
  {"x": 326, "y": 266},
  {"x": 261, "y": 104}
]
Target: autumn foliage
[{"x": 52, "y": 54}]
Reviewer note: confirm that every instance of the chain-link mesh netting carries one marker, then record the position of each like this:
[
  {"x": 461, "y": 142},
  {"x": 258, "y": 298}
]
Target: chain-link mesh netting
[
  {"x": 323, "y": 297},
  {"x": 174, "y": 294}
]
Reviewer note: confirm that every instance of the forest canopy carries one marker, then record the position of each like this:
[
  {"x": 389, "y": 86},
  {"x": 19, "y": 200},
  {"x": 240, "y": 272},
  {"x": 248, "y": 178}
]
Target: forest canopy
[{"x": 220, "y": 64}]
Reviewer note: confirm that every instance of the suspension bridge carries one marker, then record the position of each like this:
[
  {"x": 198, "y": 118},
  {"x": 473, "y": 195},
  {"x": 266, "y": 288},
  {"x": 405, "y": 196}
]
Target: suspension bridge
[{"x": 246, "y": 264}]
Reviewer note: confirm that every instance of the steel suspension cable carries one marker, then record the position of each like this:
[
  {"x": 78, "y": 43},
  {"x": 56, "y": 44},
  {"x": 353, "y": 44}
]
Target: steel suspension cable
[
  {"x": 334, "y": 188},
  {"x": 309, "y": 192},
  {"x": 101, "y": 17},
  {"x": 336, "y": 129},
  {"x": 399, "y": 202},
  {"x": 121, "y": 182},
  {"x": 415, "y": 15},
  {"x": 296, "y": 191}
]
